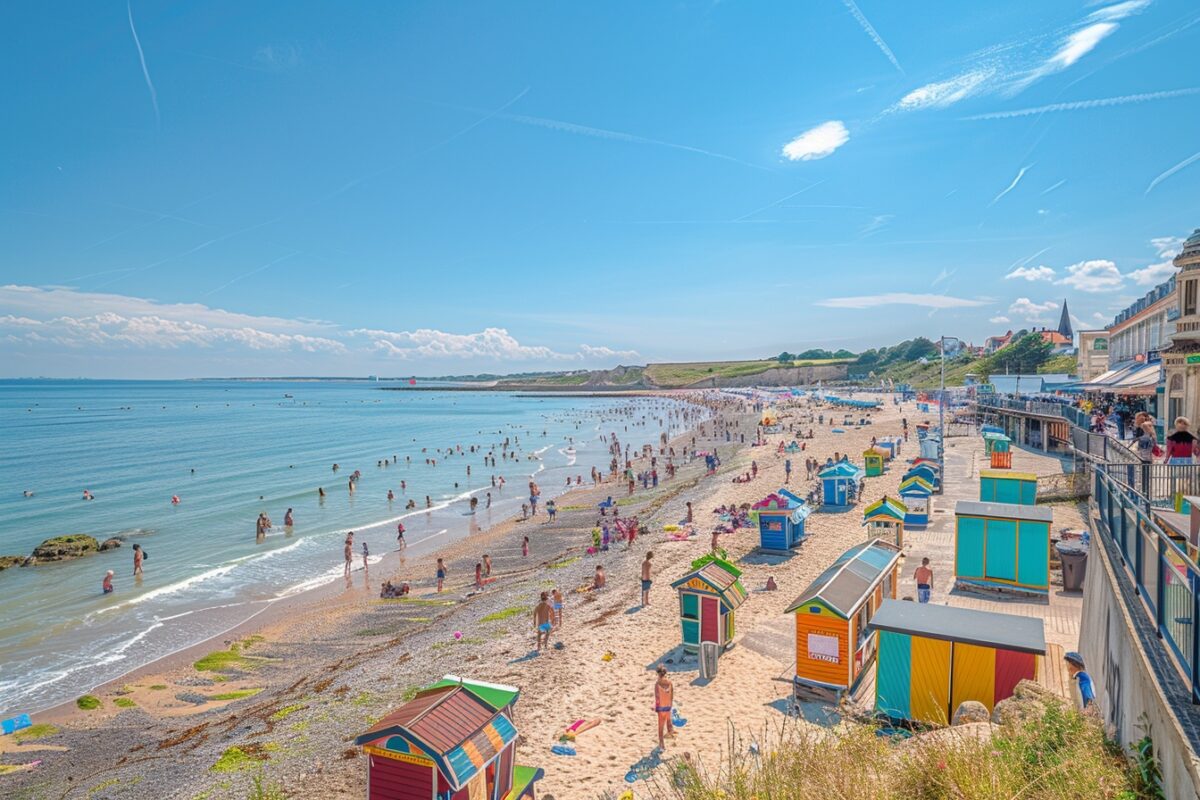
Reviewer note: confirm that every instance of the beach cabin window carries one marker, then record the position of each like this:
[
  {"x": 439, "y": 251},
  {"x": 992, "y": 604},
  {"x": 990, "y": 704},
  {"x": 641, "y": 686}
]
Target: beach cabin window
[
  {"x": 887, "y": 587},
  {"x": 1189, "y": 298},
  {"x": 691, "y": 606},
  {"x": 823, "y": 648}
]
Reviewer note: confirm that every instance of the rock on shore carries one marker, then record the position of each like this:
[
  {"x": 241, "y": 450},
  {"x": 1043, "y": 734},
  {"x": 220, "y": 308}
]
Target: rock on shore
[{"x": 63, "y": 548}]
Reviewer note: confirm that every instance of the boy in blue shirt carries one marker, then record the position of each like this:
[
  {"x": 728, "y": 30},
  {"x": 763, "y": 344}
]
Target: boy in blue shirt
[{"x": 1087, "y": 692}]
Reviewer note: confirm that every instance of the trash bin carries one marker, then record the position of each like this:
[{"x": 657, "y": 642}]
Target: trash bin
[
  {"x": 709, "y": 653},
  {"x": 1073, "y": 555}
]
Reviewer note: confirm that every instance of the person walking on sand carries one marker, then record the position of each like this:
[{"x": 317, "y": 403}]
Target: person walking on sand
[
  {"x": 542, "y": 615},
  {"x": 689, "y": 512},
  {"x": 348, "y": 551},
  {"x": 525, "y": 547},
  {"x": 646, "y": 581},
  {"x": 923, "y": 575},
  {"x": 664, "y": 701},
  {"x": 478, "y": 575},
  {"x": 400, "y": 543},
  {"x": 556, "y": 603},
  {"x": 487, "y": 566},
  {"x": 139, "y": 555},
  {"x": 441, "y": 574},
  {"x": 551, "y": 509}
]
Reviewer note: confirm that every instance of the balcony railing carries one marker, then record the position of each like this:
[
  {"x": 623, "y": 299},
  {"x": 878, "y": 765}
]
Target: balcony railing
[{"x": 1165, "y": 577}]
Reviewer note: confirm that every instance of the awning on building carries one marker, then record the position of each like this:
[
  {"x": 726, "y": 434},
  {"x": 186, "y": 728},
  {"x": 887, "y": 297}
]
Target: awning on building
[
  {"x": 1142, "y": 380},
  {"x": 1109, "y": 380}
]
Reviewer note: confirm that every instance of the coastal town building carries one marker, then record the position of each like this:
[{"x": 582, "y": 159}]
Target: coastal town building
[
  {"x": 1092, "y": 358},
  {"x": 1181, "y": 361},
  {"x": 1145, "y": 327}
]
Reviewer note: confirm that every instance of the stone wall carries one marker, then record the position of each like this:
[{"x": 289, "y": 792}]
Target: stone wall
[{"x": 1138, "y": 689}]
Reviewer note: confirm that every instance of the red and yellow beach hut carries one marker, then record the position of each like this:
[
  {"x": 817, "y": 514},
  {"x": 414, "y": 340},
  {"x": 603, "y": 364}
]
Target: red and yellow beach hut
[
  {"x": 833, "y": 644},
  {"x": 454, "y": 741},
  {"x": 932, "y": 659}
]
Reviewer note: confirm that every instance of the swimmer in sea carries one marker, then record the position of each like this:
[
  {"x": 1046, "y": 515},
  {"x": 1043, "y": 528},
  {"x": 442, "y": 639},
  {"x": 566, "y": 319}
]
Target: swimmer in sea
[
  {"x": 107, "y": 584},
  {"x": 287, "y": 518}
]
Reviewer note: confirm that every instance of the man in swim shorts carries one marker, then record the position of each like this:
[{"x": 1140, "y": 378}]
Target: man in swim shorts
[{"x": 542, "y": 616}]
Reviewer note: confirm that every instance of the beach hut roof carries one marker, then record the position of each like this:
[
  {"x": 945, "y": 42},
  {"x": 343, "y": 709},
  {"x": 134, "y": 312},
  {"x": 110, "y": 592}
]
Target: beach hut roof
[
  {"x": 842, "y": 469},
  {"x": 497, "y": 695},
  {"x": 885, "y": 507},
  {"x": 852, "y": 577},
  {"x": 1007, "y": 473},
  {"x": 719, "y": 576},
  {"x": 950, "y": 623},
  {"x": 915, "y": 486},
  {"x": 777, "y": 502},
  {"x": 876, "y": 450},
  {"x": 971, "y": 508},
  {"x": 996, "y": 437},
  {"x": 459, "y": 730},
  {"x": 926, "y": 462}
]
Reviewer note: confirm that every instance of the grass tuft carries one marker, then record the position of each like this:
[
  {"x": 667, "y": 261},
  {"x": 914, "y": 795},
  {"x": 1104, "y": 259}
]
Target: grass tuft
[
  {"x": 287, "y": 711},
  {"x": 42, "y": 730},
  {"x": 507, "y": 613},
  {"x": 124, "y": 702},
  {"x": 89, "y": 702},
  {"x": 237, "y": 694}
]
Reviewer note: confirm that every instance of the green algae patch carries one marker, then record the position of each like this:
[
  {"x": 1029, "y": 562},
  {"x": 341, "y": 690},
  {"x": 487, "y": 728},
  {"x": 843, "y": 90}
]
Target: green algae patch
[
  {"x": 221, "y": 661},
  {"x": 236, "y": 695},
  {"x": 157, "y": 687},
  {"x": 124, "y": 702},
  {"x": 566, "y": 562},
  {"x": 236, "y": 759},
  {"x": 507, "y": 613},
  {"x": 287, "y": 711},
  {"x": 42, "y": 730},
  {"x": 89, "y": 702}
]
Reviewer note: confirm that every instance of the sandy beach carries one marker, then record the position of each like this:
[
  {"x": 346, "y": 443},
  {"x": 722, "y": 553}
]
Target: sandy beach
[{"x": 303, "y": 679}]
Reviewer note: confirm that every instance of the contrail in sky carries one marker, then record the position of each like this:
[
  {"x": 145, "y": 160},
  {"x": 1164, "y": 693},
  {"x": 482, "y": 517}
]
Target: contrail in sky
[
  {"x": 1055, "y": 186},
  {"x": 232, "y": 281},
  {"x": 142, "y": 58},
  {"x": 1186, "y": 162},
  {"x": 870, "y": 31},
  {"x": 1011, "y": 186},
  {"x": 1082, "y": 104}
]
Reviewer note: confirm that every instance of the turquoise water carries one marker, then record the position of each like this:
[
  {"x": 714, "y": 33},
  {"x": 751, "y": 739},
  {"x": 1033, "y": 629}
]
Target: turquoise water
[{"x": 231, "y": 450}]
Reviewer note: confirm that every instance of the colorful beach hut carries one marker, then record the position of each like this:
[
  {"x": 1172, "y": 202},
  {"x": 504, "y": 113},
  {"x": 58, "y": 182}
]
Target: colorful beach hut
[
  {"x": 781, "y": 518},
  {"x": 840, "y": 484},
  {"x": 1002, "y": 546},
  {"x": 454, "y": 741},
  {"x": 873, "y": 462},
  {"x": 891, "y": 444},
  {"x": 833, "y": 643},
  {"x": 1005, "y": 486},
  {"x": 998, "y": 447},
  {"x": 933, "y": 658},
  {"x": 917, "y": 495},
  {"x": 929, "y": 446},
  {"x": 927, "y": 470},
  {"x": 984, "y": 430},
  {"x": 885, "y": 520},
  {"x": 709, "y": 594}
]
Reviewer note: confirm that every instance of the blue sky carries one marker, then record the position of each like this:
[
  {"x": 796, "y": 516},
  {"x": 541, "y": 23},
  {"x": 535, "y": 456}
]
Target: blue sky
[{"x": 428, "y": 188}]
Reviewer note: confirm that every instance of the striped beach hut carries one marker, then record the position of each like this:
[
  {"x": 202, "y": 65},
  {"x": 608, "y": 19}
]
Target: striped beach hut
[
  {"x": 833, "y": 643},
  {"x": 1002, "y": 546},
  {"x": 885, "y": 520},
  {"x": 781, "y": 516},
  {"x": 917, "y": 495},
  {"x": 873, "y": 460},
  {"x": 933, "y": 658},
  {"x": 1006, "y": 486},
  {"x": 709, "y": 594},
  {"x": 454, "y": 740},
  {"x": 926, "y": 468}
]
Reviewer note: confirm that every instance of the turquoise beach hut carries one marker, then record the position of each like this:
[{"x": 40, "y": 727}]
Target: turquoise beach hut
[
  {"x": 840, "y": 484},
  {"x": 781, "y": 518},
  {"x": 1002, "y": 546},
  {"x": 926, "y": 471}
]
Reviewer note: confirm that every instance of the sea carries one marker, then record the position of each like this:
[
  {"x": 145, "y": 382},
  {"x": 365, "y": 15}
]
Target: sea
[{"x": 230, "y": 450}]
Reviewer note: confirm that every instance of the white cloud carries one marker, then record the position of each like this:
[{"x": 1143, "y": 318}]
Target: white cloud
[
  {"x": 1080, "y": 43},
  {"x": 900, "y": 299},
  {"x": 1119, "y": 10},
  {"x": 942, "y": 94},
  {"x": 1000, "y": 320},
  {"x": 70, "y": 320},
  {"x": 1031, "y": 273},
  {"x": 1167, "y": 247},
  {"x": 1097, "y": 275},
  {"x": 491, "y": 343},
  {"x": 817, "y": 142},
  {"x": 1030, "y": 311}
]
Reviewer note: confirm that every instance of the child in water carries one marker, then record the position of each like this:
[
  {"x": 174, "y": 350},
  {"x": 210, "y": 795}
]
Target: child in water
[{"x": 107, "y": 585}]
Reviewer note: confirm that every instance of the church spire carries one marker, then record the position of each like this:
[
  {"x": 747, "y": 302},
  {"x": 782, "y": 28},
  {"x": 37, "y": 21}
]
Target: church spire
[{"x": 1064, "y": 323}]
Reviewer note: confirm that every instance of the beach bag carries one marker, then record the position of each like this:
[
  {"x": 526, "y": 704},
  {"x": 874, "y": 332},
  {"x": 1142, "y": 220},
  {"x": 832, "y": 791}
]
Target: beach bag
[{"x": 145, "y": 555}]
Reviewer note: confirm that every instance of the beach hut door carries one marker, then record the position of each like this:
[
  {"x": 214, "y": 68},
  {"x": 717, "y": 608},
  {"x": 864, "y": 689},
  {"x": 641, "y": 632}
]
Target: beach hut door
[
  {"x": 840, "y": 489},
  {"x": 710, "y": 620}
]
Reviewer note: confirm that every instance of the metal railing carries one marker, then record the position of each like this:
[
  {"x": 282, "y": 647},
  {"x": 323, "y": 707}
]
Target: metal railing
[
  {"x": 1098, "y": 446},
  {"x": 1166, "y": 579},
  {"x": 1158, "y": 484}
]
